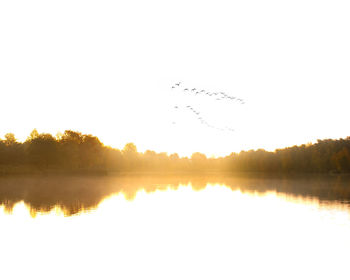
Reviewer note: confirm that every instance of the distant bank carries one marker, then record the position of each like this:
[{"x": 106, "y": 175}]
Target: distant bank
[{"x": 74, "y": 152}]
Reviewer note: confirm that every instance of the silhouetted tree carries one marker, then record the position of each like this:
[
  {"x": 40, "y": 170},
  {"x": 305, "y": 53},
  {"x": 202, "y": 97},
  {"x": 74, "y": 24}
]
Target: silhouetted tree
[
  {"x": 42, "y": 149},
  {"x": 74, "y": 151}
]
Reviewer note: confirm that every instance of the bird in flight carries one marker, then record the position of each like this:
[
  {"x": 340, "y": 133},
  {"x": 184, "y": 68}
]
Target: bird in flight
[
  {"x": 218, "y": 95},
  {"x": 204, "y": 122}
]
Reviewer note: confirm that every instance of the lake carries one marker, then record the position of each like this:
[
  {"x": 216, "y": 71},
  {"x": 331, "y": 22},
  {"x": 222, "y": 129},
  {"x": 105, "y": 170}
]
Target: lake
[{"x": 175, "y": 227}]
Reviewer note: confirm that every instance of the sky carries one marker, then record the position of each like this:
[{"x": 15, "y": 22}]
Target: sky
[{"x": 107, "y": 67}]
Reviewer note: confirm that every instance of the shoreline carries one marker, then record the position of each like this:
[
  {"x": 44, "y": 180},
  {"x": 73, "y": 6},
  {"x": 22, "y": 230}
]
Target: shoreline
[{"x": 29, "y": 171}]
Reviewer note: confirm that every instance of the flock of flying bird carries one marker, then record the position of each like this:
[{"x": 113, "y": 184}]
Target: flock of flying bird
[{"x": 217, "y": 95}]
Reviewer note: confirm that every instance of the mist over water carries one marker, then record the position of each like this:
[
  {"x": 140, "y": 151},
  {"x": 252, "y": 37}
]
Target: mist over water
[
  {"x": 171, "y": 227},
  {"x": 73, "y": 194}
]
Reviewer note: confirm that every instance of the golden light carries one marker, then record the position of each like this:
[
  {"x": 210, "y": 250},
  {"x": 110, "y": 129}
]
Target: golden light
[{"x": 213, "y": 233}]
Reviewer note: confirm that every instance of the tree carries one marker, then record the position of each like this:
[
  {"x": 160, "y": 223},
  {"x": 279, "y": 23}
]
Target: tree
[
  {"x": 198, "y": 161},
  {"x": 341, "y": 160},
  {"x": 10, "y": 139},
  {"x": 130, "y": 156},
  {"x": 34, "y": 134},
  {"x": 42, "y": 150},
  {"x": 130, "y": 148},
  {"x": 91, "y": 152}
]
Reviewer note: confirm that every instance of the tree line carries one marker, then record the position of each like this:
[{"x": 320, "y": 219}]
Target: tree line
[{"x": 74, "y": 151}]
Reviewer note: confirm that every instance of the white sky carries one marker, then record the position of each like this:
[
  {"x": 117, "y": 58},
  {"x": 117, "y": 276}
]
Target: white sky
[{"x": 107, "y": 67}]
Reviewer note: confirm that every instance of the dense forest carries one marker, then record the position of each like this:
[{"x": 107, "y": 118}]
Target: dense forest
[{"x": 76, "y": 152}]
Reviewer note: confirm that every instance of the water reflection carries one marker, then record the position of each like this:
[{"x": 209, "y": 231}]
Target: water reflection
[
  {"x": 73, "y": 194},
  {"x": 212, "y": 232}
]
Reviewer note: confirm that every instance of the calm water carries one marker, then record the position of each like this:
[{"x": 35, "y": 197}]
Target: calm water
[{"x": 243, "y": 227}]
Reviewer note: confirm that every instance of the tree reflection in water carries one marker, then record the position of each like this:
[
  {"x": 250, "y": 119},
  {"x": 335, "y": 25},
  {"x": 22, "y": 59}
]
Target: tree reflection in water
[{"x": 73, "y": 194}]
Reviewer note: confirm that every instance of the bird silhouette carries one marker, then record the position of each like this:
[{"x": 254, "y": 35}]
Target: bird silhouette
[
  {"x": 204, "y": 122},
  {"x": 219, "y": 96}
]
